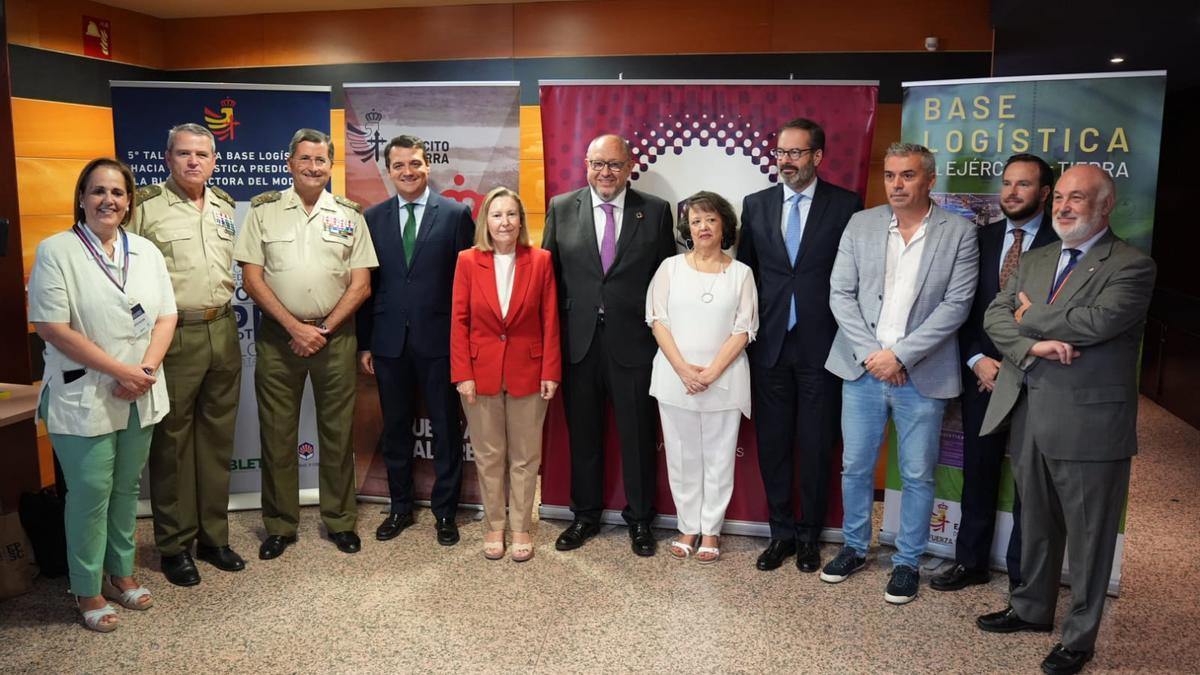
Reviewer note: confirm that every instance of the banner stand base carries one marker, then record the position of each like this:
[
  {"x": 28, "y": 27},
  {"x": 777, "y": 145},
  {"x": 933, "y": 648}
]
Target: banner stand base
[{"x": 744, "y": 527}]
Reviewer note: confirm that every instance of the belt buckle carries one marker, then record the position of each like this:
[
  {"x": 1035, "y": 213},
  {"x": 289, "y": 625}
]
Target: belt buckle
[{"x": 211, "y": 313}]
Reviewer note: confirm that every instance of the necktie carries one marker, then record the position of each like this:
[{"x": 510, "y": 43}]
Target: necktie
[
  {"x": 1012, "y": 257},
  {"x": 1066, "y": 272},
  {"x": 608, "y": 245},
  {"x": 792, "y": 240},
  {"x": 409, "y": 234}
]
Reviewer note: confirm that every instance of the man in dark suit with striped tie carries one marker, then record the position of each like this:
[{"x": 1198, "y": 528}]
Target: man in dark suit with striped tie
[{"x": 1024, "y": 194}]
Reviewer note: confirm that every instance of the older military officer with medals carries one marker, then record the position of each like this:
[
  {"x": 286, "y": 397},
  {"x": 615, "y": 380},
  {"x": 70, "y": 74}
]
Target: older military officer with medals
[
  {"x": 306, "y": 257},
  {"x": 192, "y": 224}
]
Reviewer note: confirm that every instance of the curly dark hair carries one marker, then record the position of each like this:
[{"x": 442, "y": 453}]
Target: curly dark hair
[{"x": 713, "y": 203}]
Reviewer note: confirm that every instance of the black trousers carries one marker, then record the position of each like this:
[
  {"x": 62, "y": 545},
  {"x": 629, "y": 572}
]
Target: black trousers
[
  {"x": 399, "y": 379},
  {"x": 797, "y": 416},
  {"x": 982, "y": 459},
  {"x": 587, "y": 385}
]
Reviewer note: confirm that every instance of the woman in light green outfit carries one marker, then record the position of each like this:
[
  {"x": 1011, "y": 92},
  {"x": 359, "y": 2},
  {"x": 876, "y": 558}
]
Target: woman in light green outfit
[{"x": 103, "y": 302}]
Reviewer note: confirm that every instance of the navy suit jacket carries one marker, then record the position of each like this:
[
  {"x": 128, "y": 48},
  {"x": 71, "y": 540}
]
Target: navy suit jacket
[
  {"x": 972, "y": 339},
  {"x": 411, "y": 304},
  {"x": 761, "y": 247}
]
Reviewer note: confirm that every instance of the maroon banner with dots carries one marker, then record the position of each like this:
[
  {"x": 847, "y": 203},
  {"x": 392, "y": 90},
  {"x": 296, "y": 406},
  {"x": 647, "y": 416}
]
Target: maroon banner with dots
[{"x": 687, "y": 137}]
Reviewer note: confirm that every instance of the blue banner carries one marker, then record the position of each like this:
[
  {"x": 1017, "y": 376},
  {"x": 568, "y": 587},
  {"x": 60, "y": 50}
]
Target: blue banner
[{"x": 252, "y": 123}]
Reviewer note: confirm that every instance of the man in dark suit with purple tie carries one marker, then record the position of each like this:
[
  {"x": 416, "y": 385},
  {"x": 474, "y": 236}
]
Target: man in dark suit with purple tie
[{"x": 1024, "y": 194}]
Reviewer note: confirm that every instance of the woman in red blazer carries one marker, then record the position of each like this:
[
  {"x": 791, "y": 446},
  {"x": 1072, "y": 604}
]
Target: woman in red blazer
[{"x": 506, "y": 361}]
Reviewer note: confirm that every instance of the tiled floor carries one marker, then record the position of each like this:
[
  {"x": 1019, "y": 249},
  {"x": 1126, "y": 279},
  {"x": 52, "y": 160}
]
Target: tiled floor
[{"x": 410, "y": 605}]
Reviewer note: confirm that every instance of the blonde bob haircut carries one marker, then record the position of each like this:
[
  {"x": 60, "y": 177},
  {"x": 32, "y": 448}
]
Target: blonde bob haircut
[{"x": 483, "y": 238}]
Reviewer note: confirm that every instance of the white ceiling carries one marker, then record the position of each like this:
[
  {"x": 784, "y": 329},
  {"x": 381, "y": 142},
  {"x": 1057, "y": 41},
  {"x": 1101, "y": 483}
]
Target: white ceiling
[{"x": 183, "y": 9}]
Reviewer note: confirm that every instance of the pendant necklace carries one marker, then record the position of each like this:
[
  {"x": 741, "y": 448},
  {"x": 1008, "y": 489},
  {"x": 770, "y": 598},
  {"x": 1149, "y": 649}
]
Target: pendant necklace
[{"x": 707, "y": 296}]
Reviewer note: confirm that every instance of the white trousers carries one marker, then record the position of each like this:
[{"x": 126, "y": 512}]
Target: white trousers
[{"x": 700, "y": 448}]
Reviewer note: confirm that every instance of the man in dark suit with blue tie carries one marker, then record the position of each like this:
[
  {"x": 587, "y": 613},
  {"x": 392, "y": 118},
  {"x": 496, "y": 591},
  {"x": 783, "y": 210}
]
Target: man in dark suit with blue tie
[
  {"x": 790, "y": 235},
  {"x": 1024, "y": 193},
  {"x": 404, "y": 331}
]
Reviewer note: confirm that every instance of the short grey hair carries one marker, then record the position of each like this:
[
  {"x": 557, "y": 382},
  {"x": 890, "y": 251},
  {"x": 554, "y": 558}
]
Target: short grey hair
[
  {"x": 928, "y": 163},
  {"x": 190, "y": 128},
  {"x": 310, "y": 136}
]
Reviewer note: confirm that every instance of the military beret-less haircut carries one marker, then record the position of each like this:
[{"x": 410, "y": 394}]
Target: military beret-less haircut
[
  {"x": 1045, "y": 173},
  {"x": 310, "y": 136},
  {"x": 190, "y": 128},
  {"x": 908, "y": 149}
]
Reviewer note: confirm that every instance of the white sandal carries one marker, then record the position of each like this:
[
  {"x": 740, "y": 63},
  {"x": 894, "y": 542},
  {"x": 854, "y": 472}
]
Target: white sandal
[
  {"x": 94, "y": 618},
  {"x": 715, "y": 550},
  {"x": 686, "y": 548},
  {"x": 128, "y": 599}
]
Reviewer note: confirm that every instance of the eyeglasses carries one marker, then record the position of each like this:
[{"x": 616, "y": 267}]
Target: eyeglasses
[
  {"x": 599, "y": 165},
  {"x": 791, "y": 153}
]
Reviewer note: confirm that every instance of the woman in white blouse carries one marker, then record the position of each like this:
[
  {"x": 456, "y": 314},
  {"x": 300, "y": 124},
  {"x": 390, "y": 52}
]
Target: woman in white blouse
[
  {"x": 505, "y": 359},
  {"x": 102, "y": 301},
  {"x": 703, "y": 308}
]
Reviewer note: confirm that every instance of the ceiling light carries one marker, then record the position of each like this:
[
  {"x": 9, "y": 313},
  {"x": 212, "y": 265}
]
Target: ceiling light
[{"x": 1117, "y": 59}]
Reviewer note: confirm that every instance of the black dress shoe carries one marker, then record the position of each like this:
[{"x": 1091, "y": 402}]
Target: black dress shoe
[
  {"x": 641, "y": 539},
  {"x": 221, "y": 557},
  {"x": 393, "y": 525},
  {"x": 274, "y": 545},
  {"x": 777, "y": 551},
  {"x": 1007, "y": 621},
  {"x": 1063, "y": 661},
  {"x": 347, "y": 542},
  {"x": 447, "y": 531},
  {"x": 573, "y": 537},
  {"x": 959, "y": 577},
  {"x": 180, "y": 569},
  {"x": 808, "y": 556}
]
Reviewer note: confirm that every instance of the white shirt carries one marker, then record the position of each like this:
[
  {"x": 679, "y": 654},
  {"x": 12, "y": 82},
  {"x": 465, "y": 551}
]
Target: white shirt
[
  {"x": 504, "y": 263},
  {"x": 1064, "y": 257},
  {"x": 900, "y": 281},
  {"x": 67, "y": 286},
  {"x": 806, "y": 197},
  {"x": 418, "y": 212},
  {"x": 598, "y": 215}
]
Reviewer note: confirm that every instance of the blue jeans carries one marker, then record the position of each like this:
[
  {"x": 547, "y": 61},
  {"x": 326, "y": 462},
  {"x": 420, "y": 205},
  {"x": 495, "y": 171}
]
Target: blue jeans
[{"x": 866, "y": 405}]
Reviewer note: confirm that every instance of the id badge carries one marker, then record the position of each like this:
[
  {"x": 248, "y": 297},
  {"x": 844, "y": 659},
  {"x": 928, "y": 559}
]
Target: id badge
[{"x": 141, "y": 322}]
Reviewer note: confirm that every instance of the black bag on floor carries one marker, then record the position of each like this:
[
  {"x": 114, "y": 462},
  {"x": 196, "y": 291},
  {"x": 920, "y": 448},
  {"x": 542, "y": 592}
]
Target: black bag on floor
[{"x": 42, "y": 516}]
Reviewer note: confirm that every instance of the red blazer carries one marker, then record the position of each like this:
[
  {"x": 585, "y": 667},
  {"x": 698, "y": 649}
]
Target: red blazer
[{"x": 521, "y": 350}]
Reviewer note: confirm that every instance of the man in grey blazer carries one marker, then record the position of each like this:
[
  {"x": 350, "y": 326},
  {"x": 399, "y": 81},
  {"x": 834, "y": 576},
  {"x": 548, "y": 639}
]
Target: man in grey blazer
[
  {"x": 1069, "y": 324},
  {"x": 902, "y": 284}
]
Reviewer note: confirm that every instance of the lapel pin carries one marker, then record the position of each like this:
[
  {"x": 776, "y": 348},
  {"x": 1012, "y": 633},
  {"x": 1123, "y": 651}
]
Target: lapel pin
[
  {"x": 1091, "y": 269},
  {"x": 638, "y": 215}
]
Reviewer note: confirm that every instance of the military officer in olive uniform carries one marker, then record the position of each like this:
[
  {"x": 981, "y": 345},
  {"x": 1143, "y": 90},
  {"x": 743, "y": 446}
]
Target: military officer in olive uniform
[
  {"x": 192, "y": 223},
  {"x": 306, "y": 258}
]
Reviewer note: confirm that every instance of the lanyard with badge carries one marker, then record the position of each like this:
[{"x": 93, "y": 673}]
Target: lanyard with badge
[{"x": 141, "y": 323}]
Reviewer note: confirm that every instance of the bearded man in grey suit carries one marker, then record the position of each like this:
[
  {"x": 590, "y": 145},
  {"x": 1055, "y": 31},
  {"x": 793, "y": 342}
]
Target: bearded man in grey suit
[
  {"x": 1069, "y": 324},
  {"x": 902, "y": 284}
]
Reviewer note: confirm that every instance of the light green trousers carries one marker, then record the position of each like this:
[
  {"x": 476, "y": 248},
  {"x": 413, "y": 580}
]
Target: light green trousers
[{"x": 103, "y": 474}]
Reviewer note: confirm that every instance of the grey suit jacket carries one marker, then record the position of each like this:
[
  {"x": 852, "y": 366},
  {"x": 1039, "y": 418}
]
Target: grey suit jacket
[
  {"x": 946, "y": 285},
  {"x": 1087, "y": 410}
]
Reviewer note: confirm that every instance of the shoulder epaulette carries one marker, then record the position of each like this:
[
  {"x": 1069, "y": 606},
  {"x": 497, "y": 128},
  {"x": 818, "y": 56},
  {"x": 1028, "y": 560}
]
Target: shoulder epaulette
[
  {"x": 347, "y": 203},
  {"x": 148, "y": 192},
  {"x": 222, "y": 195},
  {"x": 266, "y": 198}
]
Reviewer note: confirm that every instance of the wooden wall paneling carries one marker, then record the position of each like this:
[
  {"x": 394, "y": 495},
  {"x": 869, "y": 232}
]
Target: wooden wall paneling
[
  {"x": 45, "y": 185},
  {"x": 36, "y": 228},
  {"x": 536, "y": 222},
  {"x": 350, "y": 36},
  {"x": 877, "y": 26},
  {"x": 533, "y": 185},
  {"x": 58, "y": 26},
  {"x": 617, "y": 27},
  {"x": 337, "y": 130},
  {"x": 50, "y": 129},
  {"x": 531, "y": 132}
]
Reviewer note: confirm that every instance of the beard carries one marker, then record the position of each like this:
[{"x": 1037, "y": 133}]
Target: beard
[
  {"x": 1077, "y": 233},
  {"x": 1021, "y": 212},
  {"x": 800, "y": 178}
]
